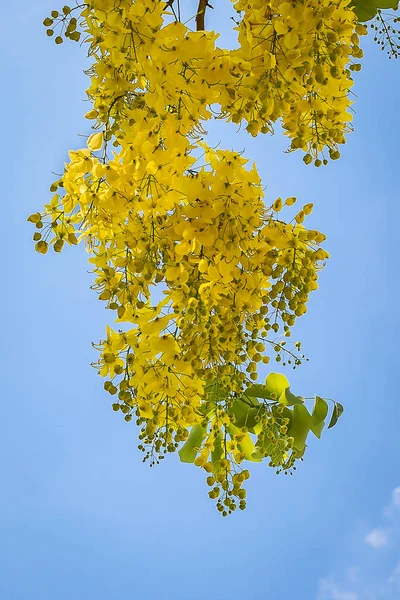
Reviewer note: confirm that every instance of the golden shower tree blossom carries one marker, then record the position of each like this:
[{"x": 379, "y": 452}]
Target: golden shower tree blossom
[{"x": 205, "y": 280}]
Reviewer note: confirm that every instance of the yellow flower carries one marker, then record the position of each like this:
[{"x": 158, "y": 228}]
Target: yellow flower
[{"x": 95, "y": 141}]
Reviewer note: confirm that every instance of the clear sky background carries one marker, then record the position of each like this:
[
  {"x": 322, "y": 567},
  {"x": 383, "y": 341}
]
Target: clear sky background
[{"x": 80, "y": 515}]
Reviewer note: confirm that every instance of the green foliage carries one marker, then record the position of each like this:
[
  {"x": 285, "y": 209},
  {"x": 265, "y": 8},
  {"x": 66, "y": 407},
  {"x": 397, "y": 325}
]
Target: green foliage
[
  {"x": 367, "y": 9},
  {"x": 266, "y": 417},
  {"x": 337, "y": 412},
  {"x": 190, "y": 448},
  {"x": 300, "y": 426},
  {"x": 245, "y": 413},
  {"x": 319, "y": 413}
]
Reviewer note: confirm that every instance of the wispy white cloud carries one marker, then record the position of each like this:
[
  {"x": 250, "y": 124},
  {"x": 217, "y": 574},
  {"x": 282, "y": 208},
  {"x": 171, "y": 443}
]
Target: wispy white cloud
[
  {"x": 329, "y": 590},
  {"x": 376, "y": 576},
  {"x": 353, "y": 574},
  {"x": 378, "y": 538},
  {"x": 394, "y": 577},
  {"x": 394, "y": 506},
  {"x": 396, "y": 497}
]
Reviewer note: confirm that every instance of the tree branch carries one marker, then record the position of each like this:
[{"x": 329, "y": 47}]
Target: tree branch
[{"x": 200, "y": 16}]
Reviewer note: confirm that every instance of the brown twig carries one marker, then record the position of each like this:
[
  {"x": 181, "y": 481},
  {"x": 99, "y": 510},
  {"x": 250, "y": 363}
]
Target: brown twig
[{"x": 201, "y": 12}]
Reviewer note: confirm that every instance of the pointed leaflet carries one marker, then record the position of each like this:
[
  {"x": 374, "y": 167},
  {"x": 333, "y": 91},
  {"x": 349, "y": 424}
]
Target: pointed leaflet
[
  {"x": 320, "y": 410},
  {"x": 289, "y": 399},
  {"x": 300, "y": 426},
  {"x": 337, "y": 411},
  {"x": 191, "y": 447}
]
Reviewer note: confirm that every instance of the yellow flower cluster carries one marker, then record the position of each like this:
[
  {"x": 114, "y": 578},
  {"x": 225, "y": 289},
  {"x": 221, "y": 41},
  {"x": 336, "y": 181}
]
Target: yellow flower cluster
[
  {"x": 295, "y": 63},
  {"x": 198, "y": 271}
]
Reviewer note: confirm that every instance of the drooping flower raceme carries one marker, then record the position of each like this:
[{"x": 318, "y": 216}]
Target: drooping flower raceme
[{"x": 204, "y": 279}]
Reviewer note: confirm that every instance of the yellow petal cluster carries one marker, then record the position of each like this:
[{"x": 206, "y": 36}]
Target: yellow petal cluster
[
  {"x": 294, "y": 63},
  {"x": 202, "y": 276}
]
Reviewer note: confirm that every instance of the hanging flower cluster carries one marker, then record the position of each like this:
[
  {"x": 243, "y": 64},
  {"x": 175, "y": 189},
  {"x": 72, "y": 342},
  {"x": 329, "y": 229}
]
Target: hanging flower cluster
[
  {"x": 294, "y": 63},
  {"x": 202, "y": 275}
]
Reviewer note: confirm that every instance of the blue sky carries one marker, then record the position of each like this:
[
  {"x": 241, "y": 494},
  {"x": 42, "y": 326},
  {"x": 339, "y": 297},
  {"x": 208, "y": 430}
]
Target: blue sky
[{"x": 80, "y": 515}]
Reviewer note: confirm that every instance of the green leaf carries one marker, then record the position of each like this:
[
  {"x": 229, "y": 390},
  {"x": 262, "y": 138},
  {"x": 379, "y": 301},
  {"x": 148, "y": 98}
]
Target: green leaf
[
  {"x": 207, "y": 409},
  {"x": 386, "y": 4},
  {"x": 190, "y": 448},
  {"x": 286, "y": 414},
  {"x": 252, "y": 455},
  {"x": 246, "y": 445},
  {"x": 299, "y": 453},
  {"x": 257, "y": 428},
  {"x": 300, "y": 426},
  {"x": 320, "y": 410},
  {"x": 214, "y": 391},
  {"x": 258, "y": 390},
  {"x": 217, "y": 453},
  {"x": 288, "y": 399},
  {"x": 245, "y": 415},
  {"x": 256, "y": 456},
  {"x": 367, "y": 9},
  {"x": 277, "y": 383},
  {"x": 337, "y": 412}
]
